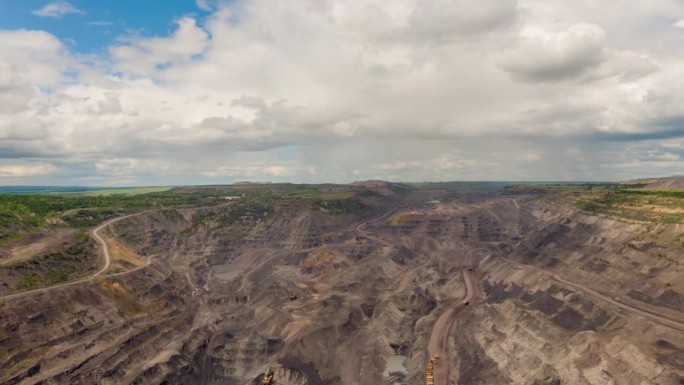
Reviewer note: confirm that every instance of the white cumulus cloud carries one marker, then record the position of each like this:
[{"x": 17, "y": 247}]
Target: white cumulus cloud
[
  {"x": 405, "y": 90},
  {"x": 204, "y": 5},
  {"x": 25, "y": 170},
  {"x": 144, "y": 56},
  {"x": 57, "y": 9},
  {"x": 541, "y": 55}
]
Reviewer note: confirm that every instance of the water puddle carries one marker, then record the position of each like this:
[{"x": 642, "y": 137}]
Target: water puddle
[{"x": 395, "y": 364}]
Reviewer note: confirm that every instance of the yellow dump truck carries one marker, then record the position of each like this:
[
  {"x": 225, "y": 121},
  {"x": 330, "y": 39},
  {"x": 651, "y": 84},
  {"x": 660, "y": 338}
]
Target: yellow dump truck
[
  {"x": 268, "y": 378},
  {"x": 429, "y": 376}
]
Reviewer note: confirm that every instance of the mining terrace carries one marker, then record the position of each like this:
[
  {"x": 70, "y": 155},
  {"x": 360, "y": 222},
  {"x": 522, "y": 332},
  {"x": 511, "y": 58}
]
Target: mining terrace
[{"x": 502, "y": 286}]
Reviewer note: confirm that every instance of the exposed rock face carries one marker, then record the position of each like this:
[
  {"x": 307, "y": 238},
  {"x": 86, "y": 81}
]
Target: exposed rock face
[
  {"x": 672, "y": 182},
  {"x": 95, "y": 332},
  {"x": 213, "y": 307},
  {"x": 49, "y": 256}
]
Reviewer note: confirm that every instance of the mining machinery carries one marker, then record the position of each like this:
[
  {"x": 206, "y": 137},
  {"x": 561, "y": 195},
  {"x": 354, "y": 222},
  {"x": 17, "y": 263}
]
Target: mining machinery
[
  {"x": 268, "y": 377},
  {"x": 429, "y": 376}
]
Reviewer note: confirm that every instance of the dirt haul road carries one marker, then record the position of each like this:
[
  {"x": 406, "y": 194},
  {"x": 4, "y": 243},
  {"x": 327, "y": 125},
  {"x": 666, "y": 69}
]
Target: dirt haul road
[
  {"x": 438, "y": 344},
  {"x": 439, "y": 337},
  {"x": 360, "y": 228},
  {"x": 658, "y": 318},
  {"x": 105, "y": 251}
]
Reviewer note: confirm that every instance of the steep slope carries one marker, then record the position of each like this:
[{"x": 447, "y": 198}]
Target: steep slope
[
  {"x": 673, "y": 182},
  {"x": 560, "y": 298}
]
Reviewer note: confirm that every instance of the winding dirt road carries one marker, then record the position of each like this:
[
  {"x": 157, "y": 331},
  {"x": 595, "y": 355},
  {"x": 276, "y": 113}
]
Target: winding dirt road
[
  {"x": 105, "y": 252},
  {"x": 439, "y": 337},
  {"x": 438, "y": 343},
  {"x": 105, "y": 249},
  {"x": 360, "y": 228}
]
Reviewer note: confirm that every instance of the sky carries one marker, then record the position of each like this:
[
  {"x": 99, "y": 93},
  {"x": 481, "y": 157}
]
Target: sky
[{"x": 177, "y": 92}]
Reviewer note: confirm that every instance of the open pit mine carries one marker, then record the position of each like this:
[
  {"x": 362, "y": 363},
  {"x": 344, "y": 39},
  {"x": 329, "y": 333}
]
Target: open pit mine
[{"x": 366, "y": 284}]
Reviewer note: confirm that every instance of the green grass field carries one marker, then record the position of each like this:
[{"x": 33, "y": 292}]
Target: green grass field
[{"x": 660, "y": 206}]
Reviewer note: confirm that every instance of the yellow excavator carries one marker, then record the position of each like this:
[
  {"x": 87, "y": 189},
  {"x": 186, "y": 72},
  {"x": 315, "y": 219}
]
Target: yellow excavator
[{"x": 268, "y": 377}]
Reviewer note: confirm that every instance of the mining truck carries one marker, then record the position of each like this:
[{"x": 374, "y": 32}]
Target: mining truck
[
  {"x": 268, "y": 378},
  {"x": 429, "y": 376}
]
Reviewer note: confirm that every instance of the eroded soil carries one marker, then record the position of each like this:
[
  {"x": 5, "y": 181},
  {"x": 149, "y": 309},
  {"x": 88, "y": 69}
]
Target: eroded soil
[{"x": 212, "y": 307}]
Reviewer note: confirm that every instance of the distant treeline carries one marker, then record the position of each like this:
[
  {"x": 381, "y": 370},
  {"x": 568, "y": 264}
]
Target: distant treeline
[
  {"x": 43, "y": 189},
  {"x": 48, "y": 204},
  {"x": 22, "y": 212}
]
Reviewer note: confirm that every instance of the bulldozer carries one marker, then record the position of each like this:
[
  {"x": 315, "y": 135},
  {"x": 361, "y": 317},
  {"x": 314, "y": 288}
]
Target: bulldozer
[{"x": 268, "y": 377}]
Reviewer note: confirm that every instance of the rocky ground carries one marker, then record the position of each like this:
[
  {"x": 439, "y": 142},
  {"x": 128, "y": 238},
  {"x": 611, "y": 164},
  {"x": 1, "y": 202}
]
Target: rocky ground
[{"x": 212, "y": 307}]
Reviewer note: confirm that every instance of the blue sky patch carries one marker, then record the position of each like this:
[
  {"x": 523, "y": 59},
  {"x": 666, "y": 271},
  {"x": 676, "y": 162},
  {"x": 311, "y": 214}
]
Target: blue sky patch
[{"x": 92, "y": 26}]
